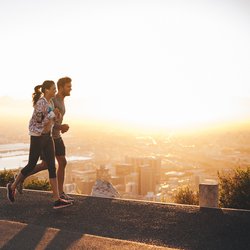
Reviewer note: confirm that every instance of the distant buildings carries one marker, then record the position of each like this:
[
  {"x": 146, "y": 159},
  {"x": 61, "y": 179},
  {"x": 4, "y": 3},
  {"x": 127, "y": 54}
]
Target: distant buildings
[
  {"x": 139, "y": 175},
  {"x": 136, "y": 178}
]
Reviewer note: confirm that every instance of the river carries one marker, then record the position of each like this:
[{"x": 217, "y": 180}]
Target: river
[{"x": 13, "y": 156}]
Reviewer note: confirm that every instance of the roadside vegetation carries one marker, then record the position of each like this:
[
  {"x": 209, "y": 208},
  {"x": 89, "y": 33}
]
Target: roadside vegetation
[
  {"x": 234, "y": 188},
  {"x": 30, "y": 183}
]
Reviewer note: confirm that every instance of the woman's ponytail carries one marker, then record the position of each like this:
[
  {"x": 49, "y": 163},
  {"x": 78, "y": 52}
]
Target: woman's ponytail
[{"x": 37, "y": 94}]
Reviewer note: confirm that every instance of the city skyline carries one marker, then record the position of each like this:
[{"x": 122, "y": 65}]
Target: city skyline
[{"x": 139, "y": 166}]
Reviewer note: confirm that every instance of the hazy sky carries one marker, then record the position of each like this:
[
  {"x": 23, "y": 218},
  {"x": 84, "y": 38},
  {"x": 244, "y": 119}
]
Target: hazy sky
[{"x": 152, "y": 62}]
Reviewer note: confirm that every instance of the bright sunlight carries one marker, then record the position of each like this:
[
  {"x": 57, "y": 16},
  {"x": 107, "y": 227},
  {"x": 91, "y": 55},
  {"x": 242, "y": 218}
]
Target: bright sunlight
[{"x": 145, "y": 63}]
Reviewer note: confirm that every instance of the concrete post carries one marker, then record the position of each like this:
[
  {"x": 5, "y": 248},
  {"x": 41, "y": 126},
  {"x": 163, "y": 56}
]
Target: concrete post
[{"x": 208, "y": 195}]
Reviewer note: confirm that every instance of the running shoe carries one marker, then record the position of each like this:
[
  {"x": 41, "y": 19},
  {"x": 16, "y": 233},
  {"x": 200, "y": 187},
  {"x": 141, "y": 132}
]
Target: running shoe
[
  {"x": 10, "y": 193},
  {"x": 66, "y": 197},
  {"x": 61, "y": 204}
]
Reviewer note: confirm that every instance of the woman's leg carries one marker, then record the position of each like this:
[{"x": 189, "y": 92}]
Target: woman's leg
[
  {"x": 20, "y": 178},
  {"x": 34, "y": 153}
]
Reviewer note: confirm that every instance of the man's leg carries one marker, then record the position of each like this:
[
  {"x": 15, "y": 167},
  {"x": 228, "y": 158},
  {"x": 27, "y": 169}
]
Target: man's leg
[
  {"x": 62, "y": 162},
  {"x": 49, "y": 157}
]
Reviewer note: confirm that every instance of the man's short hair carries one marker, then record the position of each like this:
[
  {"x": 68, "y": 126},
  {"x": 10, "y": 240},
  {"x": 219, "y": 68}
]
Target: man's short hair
[{"x": 62, "y": 81}]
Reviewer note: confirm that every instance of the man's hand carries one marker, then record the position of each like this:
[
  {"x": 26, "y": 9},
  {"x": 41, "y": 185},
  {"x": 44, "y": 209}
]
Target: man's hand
[{"x": 64, "y": 128}]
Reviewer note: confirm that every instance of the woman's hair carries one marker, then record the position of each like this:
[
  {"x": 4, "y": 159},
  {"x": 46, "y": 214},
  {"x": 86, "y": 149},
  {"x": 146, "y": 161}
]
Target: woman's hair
[{"x": 40, "y": 89}]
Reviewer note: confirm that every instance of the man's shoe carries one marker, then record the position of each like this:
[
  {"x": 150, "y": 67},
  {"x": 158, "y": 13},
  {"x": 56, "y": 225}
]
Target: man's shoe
[
  {"x": 10, "y": 193},
  {"x": 61, "y": 204},
  {"x": 66, "y": 197},
  {"x": 19, "y": 186}
]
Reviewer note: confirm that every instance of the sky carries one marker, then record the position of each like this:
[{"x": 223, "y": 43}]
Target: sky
[{"x": 165, "y": 63}]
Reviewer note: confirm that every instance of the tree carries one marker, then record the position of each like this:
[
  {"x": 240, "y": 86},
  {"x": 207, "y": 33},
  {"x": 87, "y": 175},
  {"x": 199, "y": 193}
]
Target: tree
[
  {"x": 234, "y": 188},
  {"x": 186, "y": 196}
]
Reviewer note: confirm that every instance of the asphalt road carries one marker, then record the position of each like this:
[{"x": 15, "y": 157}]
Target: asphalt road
[{"x": 154, "y": 224}]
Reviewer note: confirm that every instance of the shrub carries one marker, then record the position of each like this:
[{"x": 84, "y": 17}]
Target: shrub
[
  {"x": 234, "y": 189},
  {"x": 6, "y": 176},
  {"x": 38, "y": 185},
  {"x": 186, "y": 196}
]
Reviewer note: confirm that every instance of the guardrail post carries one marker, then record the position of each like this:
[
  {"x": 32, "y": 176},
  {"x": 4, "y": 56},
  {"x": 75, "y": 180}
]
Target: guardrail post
[{"x": 208, "y": 195}]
